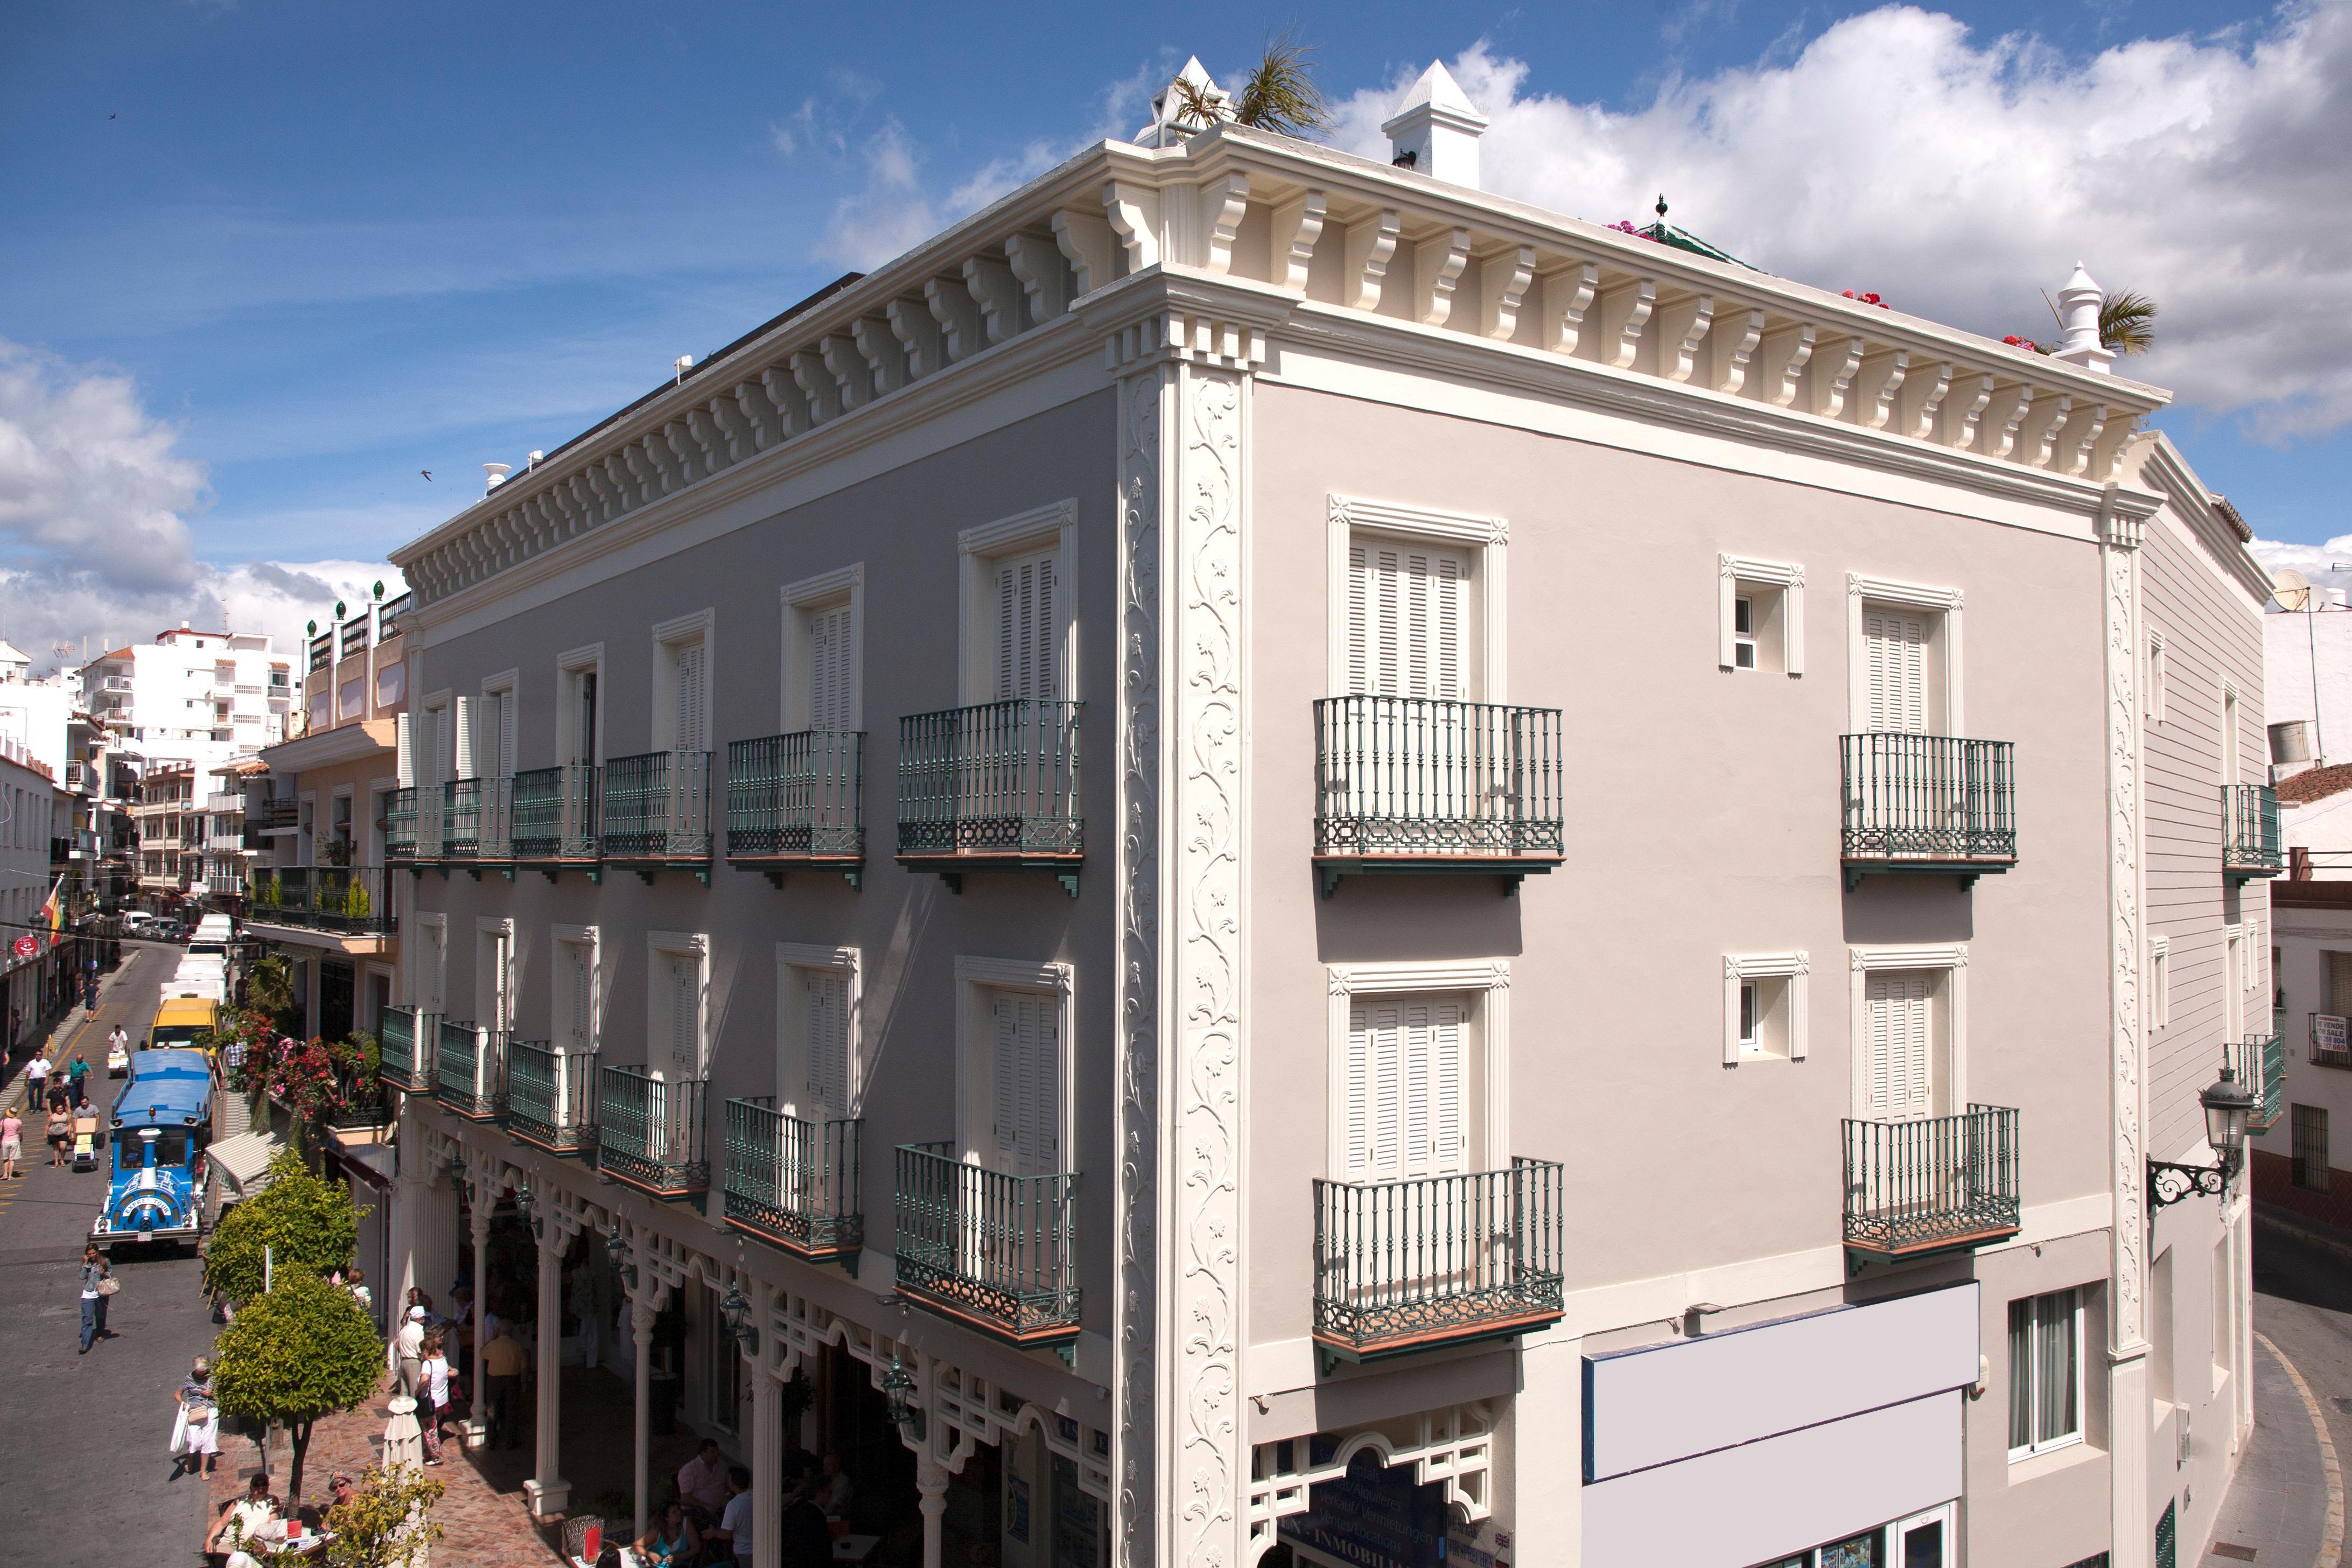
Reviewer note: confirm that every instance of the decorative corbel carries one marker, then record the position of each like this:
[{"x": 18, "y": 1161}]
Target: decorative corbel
[
  {"x": 1370, "y": 242},
  {"x": 1833, "y": 367},
  {"x": 1781, "y": 363},
  {"x": 1086, "y": 242},
  {"x": 1437, "y": 264},
  {"x": 1924, "y": 391},
  {"x": 1503, "y": 280},
  {"x": 1133, "y": 212},
  {"x": 1877, "y": 385},
  {"x": 958, "y": 314},
  {"x": 1680, "y": 327},
  {"x": 1224, "y": 202},
  {"x": 920, "y": 333},
  {"x": 1731, "y": 346},
  {"x": 1297, "y": 225},
  {"x": 1959, "y": 422},
  {"x": 886, "y": 361},
  {"x": 1044, "y": 275},
  {"x": 1626, "y": 309},
  {"x": 852, "y": 381},
  {"x": 1567, "y": 299}
]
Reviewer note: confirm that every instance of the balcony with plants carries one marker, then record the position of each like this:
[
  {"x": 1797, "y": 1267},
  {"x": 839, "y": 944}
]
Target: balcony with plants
[
  {"x": 347, "y": 901},
  {"x": 1423, "y": 787},
  {"x": 651, "y": 1133},
  {"x": 1934, "y": 806},
  {"x": 2250, "y": 832},
  {"x": 552, "y": 819},
  {"x": 992, "y": 787},
  {"x": 1935, "y": 1185},
  {"x": 1427, "y": 1262},
  {"x": 467, "y": 1074},
  {"x": 657, "y": 813},
  {"x": 795, "y": 803},
  {"x": 793, "y": 1183},
  {"x": 992, "y": 1251},
  {"x": 552, "y": 1096}
]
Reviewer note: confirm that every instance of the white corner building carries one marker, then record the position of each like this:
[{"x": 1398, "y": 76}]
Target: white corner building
[{"x": 1263, "y": 860}]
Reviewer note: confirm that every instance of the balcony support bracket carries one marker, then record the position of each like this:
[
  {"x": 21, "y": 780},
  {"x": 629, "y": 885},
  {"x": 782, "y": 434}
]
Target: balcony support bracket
[{"x": 1509, "y": 873}]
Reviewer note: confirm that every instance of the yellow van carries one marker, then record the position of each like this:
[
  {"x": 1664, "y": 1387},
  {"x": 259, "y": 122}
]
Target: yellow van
[{"x": 180, "y": 1020}]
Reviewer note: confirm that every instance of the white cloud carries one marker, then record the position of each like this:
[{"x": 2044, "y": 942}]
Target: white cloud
[
  {"x": 890, "y": 215},
  {"x": 1959, "y": 175},
  {"x": 2328, "y": 565},
  {"x": 95, "y": 541}
]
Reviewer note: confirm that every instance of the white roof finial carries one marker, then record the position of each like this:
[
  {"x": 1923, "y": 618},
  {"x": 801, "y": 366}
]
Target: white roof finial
[
  {"x": 2078, "y": 313},
  {"x": 1172, "y": 119},
  {"x": 1436, "y": 133}
]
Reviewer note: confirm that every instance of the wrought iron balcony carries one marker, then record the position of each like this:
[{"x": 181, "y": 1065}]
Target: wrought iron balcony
[
  {"x": 2260, "y": 1062},
  {"x": 479, "y": 822},
  {"x": 552, "y": 818},
  {"x": 2331, "y": 1040},
  {"x": 2250, "y": 832},
  {"x": 650, "y": 1131},
  {"x": 400, "y": 825},
  {"x": 794, "y": 803},
  {"x": 551, "y": 1097},
  {"x": 794, "y": 1182},
  {"x": 1941, "y": 1184},
  {"x": 1412, "y": 784},
  {"x": 407, "y": 1063},
  {"x": 1437, "y": 1260},
  {"x": 466, "y": 1071},
  {"x": 656, "y": 812},
  {"x": 346, "y": 900},
  {"x": 461, "y": 819},
  {"x": 1934, "y": 805},
  {"x": 990, "y": 1251},
  {"x": 992, "y": 788}
]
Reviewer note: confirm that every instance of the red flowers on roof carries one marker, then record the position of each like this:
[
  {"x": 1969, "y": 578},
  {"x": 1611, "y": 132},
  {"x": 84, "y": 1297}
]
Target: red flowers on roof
[{"x": 1868, "y": 300}]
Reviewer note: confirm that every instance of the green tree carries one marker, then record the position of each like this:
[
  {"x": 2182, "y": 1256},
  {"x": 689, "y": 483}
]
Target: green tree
[
  {"x": 1278, "y": 94},
  {"x": 269, "y": 989},
  {"x": 302, "y": 1350},
  {"x": 2124, "y": 322},
  {"x": 388, "y": 1523},
  {"x": 307, "y": 1224}
]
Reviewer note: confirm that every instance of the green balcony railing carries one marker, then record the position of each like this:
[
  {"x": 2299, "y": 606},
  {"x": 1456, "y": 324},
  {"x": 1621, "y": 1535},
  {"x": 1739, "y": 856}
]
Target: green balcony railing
[
  {"x": 461, "y": 819},
  {"x": 553, "y": 813},
  {"x": 552, "y": 1096},
  {"x": 987, "y": 1250},
  {"x": 481, "y": 820},
  {"x": 466, "y": 1071},
  {"x": 400, "y": 825},
  {"x": 793, "y": 1182},
  {"x": 996, "y": 780},
  {"x": 796, "y": 797},
  {"x": 2249, "y": 831},
  {"x": 1928, "y": 802},
  {"x": 1407, "y": 1265},
  {"x": 657, "y": 807},
  {"x": 1931, "y": 1185},
  {"x": 347, "y": 901},
  {"x": 650, "y": 1131},
  {"x": 2260, "y": 1062},
  {"x": 1414, "y": 777},
  {"x": 407, "y": 1064}
]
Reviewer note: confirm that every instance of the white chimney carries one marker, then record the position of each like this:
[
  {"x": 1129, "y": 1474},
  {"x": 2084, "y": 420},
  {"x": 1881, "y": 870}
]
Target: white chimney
[
  {"x": 1170, "y": 117},
  {"x": 2078, "y": 313},
  {"x": 497, "y": 473},
  {"x": 679, "y": 366},
  {"x": 1436, "y": 133}
]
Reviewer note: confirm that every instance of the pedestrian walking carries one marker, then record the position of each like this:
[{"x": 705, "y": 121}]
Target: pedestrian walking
[
  {"x": 434, "y": 1399},
  {"x": 408, "y": 1353},
  {"x": 37, "y": 1076},
  {"x": 98, "y": 1285},
  {"x": 75, "y": 1076},
  {"x": 12, "y": 1143},
  {"x": 58, "y": 1126},
  {"x": 503, "y": 1364},
  {"x": 195, "y": 1430}
]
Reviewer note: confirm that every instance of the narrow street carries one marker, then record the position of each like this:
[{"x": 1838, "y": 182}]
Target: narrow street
[
  {"x": 89, "y": 1481},
  {"x": 2284, "y": 1499}
]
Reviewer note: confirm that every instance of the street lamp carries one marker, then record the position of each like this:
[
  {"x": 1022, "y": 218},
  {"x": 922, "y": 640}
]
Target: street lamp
[
  {"x": 897, "y": 1383},
  {"x": 618, "y": 1251},
  {"x": 737, "y": 1311},
  {"x": 524, "y": 1201},
  {"x": 2227, "y": 1107}
]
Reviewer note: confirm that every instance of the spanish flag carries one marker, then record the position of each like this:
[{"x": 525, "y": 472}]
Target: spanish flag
[{"x": 53, "y": 913}]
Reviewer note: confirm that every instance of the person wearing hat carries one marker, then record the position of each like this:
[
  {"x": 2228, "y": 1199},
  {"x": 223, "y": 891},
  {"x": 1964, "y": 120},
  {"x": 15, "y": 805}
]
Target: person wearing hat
[
  {"x": 195, "y": 1430},
  {"x": 408, "y": 1352}
]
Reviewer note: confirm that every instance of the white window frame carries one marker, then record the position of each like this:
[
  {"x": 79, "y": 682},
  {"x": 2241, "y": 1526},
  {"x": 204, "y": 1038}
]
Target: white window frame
[
  {"x": 2233, "y": 982},
  {"x": 975, "y": 977},
  {"x": 2231, "y": 765},
  {"x": 670, "y": 636},
  {"x": 1738, "y": 577},
  {"x": 431, "y": 980},
  {"x": 1952, "y": 959},
  {"x": 2157, "y": 678},
  {"x": 1489, "y": 982},
  {"x": 588, "y": 660},
  {"x": 662, "y": 944},
  {"x": 1054, "y": 528},
  {"x": 2159, "y": 981},
  {"x": 2082, "y": 1381},
  {"x": 1942, "y": 602},
  {"x": 1741, "y": 969},
  {"x": 844, "y": 584},
  {"x": 1486, "y": 538},
  {"x": 792, "y": 1023},
  {"x": 494, "y": 993},
  {"x": 579, "y": 936},
  {"x": 507, "y": 683}
]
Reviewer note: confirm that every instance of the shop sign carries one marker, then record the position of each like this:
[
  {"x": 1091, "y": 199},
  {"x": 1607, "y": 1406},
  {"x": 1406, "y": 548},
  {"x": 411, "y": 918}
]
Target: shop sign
[{"x": 1374, "y": 1517}]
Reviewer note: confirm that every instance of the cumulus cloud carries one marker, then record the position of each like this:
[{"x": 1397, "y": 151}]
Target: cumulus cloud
[
  {"x": 1958, "y": 175},
  {"x": 95, "y": 543},
  {"x": 2329, "y": 566}
]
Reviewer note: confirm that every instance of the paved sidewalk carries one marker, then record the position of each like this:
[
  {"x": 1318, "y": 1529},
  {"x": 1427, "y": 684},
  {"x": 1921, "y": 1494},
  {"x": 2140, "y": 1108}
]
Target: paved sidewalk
[{"x": 2286, "y": 1504}]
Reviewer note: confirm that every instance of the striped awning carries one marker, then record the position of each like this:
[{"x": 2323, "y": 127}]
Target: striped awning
[{"x": 243, "y": 1159}]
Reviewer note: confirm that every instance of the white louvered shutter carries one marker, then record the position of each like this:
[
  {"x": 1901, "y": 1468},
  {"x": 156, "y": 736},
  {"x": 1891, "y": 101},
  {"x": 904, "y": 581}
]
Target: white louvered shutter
[
  {"x": 829, "y": 670},
  {"x": 827, "y": 994},
  {"x": 1408, "y": 620},
  {"x": 440, "y": 761},
  {"x": 1901, "y": 1066},
  {"x": 1026, "y": 1070},
  {"x": 1027, "y": 646},
  {"x": 404, "y": 752},
  {"x": 502, "y": 761},
  {"x": 437, "y": 969},
  {"x": 580, "y": 996},
  {"x": 691, "y": 731},
  {"x": 1895, "y": 647},
  {"x": 683, "y": 982},
  {"x": 468, "y": 717}
]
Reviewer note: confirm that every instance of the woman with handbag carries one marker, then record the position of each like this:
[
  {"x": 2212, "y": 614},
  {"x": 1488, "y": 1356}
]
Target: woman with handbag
[{"x": 98, "y": 1285}]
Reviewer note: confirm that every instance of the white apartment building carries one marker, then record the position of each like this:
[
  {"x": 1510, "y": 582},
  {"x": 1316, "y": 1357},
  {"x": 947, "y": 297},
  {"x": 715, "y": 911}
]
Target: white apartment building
[
  {"x": 192, "y": 697},
  {"x": 37, "y": 714},
  {"x": 1264, "y": 860}
]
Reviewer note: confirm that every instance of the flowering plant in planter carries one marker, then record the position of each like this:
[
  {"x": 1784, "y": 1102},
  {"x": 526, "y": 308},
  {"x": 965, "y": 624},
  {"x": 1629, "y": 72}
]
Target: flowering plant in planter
[
  {"x": 2028, "y": 344},
  {"x": 316, "y": 1079},
  {"x": 1625, "y": 225},
  {"x": 1868, "y": 300}
]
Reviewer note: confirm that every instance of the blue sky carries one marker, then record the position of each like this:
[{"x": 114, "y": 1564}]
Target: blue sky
[{"x": 317, "y": 249}]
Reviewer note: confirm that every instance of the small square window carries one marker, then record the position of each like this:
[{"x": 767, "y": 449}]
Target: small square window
[
  {"x": 1760, "y": 615},
  {"x": 1743, "y": 631},
  {"x": 1751, "y": 1036}
]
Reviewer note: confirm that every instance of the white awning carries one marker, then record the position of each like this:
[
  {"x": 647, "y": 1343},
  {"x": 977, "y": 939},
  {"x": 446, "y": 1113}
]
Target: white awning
[{"x": 245, "y": 1158}]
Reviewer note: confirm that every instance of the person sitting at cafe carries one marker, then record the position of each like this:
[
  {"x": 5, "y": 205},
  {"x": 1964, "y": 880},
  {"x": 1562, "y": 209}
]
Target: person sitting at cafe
[
  {"x": 804, "y": 1539},
  {"x": 241, "y": 1521},
  {"x": 671, "y": 1542},
  {"x": 702, "y": 1481}
]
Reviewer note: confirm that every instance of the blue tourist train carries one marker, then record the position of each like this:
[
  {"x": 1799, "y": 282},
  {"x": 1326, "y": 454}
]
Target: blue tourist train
[{"x": 162, "y": 1122}]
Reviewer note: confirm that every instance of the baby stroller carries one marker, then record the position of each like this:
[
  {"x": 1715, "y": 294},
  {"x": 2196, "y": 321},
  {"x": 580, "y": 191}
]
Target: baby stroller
[{"x": 85, "y": 1140}]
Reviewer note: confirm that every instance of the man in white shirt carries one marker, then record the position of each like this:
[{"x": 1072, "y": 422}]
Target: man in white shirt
[
  {"x": 408, "y": 1351},
  {"x": 730, "y": 1539},
  {"x": 37, "y": 1076}
]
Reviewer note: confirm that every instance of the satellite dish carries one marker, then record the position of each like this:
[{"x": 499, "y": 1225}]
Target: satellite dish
[{"x": 2291, "y": 588}]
